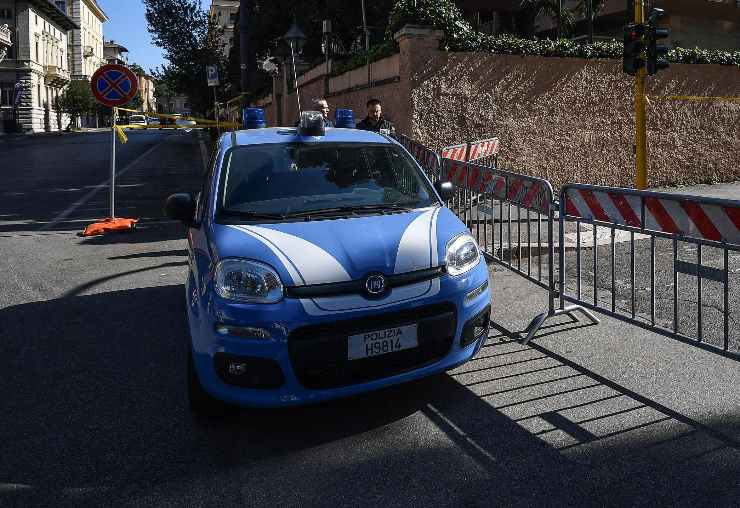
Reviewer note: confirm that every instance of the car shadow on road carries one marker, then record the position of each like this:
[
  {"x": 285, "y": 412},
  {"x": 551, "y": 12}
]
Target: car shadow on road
[{"x": 95, "y": 409}]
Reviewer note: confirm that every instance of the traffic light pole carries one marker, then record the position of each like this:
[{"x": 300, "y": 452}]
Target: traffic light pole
[{"x": 640, "y": 116}]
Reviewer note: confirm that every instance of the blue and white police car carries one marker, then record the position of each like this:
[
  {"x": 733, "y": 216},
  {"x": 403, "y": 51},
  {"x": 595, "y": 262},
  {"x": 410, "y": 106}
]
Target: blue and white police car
[{"x": 323, "y": 263}]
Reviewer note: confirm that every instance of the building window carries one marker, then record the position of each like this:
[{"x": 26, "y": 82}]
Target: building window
[
  {"x": 6, "y": 94},
  {"x": 6, "y": 14},
  {"x": 232, "y": 17},
  {"x": 37, "y": 51},
  {"x": 38, "y": 94}
]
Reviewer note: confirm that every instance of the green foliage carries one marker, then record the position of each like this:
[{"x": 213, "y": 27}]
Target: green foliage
[
  {"x": 269, "y": 20},
  {"x": 76, "y": 100},
  {"x": 137, "y": 69},
  {"x": 376, "y": 53},
  {"x": 190, "y": 40},
  {"x": 460, "y": 36}
]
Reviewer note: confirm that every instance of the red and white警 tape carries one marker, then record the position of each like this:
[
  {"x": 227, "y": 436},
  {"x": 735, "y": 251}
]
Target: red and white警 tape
[
  {"x": 667, "y": 214},
  {"x": 519, "y": 190}
]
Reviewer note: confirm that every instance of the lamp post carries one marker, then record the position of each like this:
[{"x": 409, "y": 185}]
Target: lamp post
[{"x": 295, "y": 39}]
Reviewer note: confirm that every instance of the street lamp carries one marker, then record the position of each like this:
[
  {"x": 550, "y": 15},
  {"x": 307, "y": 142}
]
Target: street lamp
[{"x": 295, "y": 38}]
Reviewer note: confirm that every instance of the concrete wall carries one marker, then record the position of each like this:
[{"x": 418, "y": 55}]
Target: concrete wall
[{"x": 571, "y": 120}]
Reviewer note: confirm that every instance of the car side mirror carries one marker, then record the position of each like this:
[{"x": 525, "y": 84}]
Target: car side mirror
[
  {"x": 446, "y": 190},
  {"x": 181, "y": 206}
]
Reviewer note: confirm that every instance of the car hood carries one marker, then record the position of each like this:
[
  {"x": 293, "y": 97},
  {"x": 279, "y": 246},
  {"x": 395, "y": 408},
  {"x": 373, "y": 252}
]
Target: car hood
[{"x": 339, "y": 250}]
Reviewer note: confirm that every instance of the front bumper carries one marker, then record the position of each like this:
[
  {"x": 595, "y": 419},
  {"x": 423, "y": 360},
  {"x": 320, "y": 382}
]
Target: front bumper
[{"x": 305, "y": 359}]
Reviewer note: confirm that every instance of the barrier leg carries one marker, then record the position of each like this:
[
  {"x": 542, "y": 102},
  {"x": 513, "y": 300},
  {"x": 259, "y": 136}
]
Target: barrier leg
[{"x": 569, "y": 310}]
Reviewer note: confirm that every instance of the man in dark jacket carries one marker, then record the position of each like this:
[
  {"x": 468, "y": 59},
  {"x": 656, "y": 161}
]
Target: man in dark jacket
[{"x": 374, "y": 120}]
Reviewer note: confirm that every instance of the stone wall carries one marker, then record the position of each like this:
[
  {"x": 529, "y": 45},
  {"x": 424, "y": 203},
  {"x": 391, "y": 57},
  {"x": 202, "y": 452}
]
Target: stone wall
[
  {"x": 572, "y": 120},
  {"x": 565, "y": 119}
]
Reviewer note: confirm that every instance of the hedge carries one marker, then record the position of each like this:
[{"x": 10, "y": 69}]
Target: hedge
[{"x": 460, "y": 36}]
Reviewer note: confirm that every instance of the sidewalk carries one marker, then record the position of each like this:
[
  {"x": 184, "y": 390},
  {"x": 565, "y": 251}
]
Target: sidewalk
[
  {"x": 698, "y": 385},
  {"x": 20, "y": 135}
]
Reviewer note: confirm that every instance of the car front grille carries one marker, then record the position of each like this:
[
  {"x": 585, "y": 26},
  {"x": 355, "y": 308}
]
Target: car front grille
[{"x": 318, "y": 353}]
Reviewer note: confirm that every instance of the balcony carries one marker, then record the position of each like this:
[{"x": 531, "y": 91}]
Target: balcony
[
  {"x": 55, "y": 76},
  {"x": 5, "y": 36}
]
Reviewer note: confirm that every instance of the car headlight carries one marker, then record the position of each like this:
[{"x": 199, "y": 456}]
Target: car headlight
[
  {"x": 247, "y": 281},
  {"x": 462, "y": 254}
]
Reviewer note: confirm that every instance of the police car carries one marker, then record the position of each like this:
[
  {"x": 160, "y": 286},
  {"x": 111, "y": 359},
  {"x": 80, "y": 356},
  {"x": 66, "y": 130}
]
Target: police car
[{"x": 323, "y": 263}]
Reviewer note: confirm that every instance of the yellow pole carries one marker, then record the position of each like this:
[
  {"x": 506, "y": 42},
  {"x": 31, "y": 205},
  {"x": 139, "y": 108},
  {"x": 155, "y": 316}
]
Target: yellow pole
[{"x": 640, "y": 127}]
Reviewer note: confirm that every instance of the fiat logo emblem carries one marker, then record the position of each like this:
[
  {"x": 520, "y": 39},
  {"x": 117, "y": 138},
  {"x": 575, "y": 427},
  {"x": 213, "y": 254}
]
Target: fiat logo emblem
[{"x": 375, "y": 284}]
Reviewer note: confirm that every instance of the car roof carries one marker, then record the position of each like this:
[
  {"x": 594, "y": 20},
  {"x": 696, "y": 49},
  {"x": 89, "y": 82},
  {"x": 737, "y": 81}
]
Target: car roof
[{"x": 290, "y": 135}]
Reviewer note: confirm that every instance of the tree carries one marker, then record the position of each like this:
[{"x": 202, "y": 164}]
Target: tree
[
  {"x": 76, "y": 100},
  {"x": 190, "y": 41},
  {"x": 269, "y": 20}
]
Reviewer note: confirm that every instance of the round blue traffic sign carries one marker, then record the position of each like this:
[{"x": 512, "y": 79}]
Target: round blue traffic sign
[{"x": 114, "y": 85}]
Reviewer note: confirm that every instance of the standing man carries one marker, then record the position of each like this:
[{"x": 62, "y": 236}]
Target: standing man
[
  {"x": 323, "y": 106},
  {"x": 374, "y": 121}
]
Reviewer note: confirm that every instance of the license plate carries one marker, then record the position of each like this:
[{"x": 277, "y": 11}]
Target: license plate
[{"x": 381, "y": 342}]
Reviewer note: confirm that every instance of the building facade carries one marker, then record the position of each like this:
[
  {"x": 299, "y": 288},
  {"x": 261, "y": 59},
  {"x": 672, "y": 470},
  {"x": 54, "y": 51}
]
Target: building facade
[
  {"x": 146, "y": 92},
  {"x": 5, "y": 41},
  {"x": 225, "y": 13},
  {"x": 114, "y": 53},
  {"x": 37, "y": 66},
  {"x": 86, "y": 42}
]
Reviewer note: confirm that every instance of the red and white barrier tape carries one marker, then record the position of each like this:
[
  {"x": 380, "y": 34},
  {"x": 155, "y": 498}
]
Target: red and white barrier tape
[
  {"x": 483, "y": 148},
  {"x": 455, "y": 152},
  {"x": 520, "y": 190},
  {"x": 675, "y": 216}
]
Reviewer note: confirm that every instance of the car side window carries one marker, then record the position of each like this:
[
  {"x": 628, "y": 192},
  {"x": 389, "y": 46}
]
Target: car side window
[{"x": 202, "y": 199}]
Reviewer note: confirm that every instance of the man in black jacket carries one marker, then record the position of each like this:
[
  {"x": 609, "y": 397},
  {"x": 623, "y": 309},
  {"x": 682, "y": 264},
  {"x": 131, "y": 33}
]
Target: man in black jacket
[{"x": 374, "y": 121}]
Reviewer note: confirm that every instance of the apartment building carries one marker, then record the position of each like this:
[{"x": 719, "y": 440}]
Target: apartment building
[
  {"x": 37, "y": 65},
  {"x": 146, "y": 92},
  {"x": 113, "y": 53},
  {"x": 5, "y": 39},
  {"x": 86, "y": 42},
  {"x": 225, "y": 13}
]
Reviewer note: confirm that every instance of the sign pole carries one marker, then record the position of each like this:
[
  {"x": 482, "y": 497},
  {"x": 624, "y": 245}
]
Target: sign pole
[
  {"x": 113, "y": 164},
  {"x": 640, "y": 115},
  {"x": 113, "y": 86},
  {"x": 215, "y": 109}
]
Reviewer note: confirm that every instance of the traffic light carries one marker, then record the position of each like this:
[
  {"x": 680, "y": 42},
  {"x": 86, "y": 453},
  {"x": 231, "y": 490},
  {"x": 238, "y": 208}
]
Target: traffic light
[
  {"x": 656, "y": 53},
  {"x": 634, "y": 45}
]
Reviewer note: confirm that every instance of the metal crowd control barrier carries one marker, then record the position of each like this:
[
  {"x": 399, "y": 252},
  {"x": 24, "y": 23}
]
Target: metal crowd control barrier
[
  {"x": 426, "y": 157},
  {"x": 484, "y": 151},
  {"x": 670, "y": 237},
  {"x": 485, "y": 201}
]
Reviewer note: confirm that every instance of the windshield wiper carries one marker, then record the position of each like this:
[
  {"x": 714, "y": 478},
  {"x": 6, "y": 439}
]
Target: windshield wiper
[
  {"x": 252, "y": 215},
  {"x": 353, "y": 210}
]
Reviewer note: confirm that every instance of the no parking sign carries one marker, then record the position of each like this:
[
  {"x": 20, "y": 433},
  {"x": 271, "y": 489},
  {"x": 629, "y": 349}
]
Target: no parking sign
[{"x": 114, "y": 85}]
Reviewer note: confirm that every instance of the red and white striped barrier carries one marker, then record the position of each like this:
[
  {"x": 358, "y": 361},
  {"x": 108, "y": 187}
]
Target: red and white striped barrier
[
  {"x": 676, "y": 215},
  {"x": 483, "y": 148},
  {"x": 455, "y": 152},
  {"x": 528, "y": 192}
]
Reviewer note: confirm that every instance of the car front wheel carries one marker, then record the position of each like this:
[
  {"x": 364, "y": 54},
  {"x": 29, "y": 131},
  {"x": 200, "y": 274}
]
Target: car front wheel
[{"x": 200, "y": 402}]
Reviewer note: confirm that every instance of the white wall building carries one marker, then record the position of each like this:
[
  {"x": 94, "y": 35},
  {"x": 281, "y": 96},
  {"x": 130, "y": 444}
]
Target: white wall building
[
  {"x": 38, "y": 61},
  {"x": 86, "y": 42},
  {"x": 225, "y": 13}
]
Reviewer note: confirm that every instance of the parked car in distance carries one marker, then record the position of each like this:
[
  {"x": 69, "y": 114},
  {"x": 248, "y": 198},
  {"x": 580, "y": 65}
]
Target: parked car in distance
[
  {"x": 152, "y": 121},
  {"x": 137, "y": 120}
]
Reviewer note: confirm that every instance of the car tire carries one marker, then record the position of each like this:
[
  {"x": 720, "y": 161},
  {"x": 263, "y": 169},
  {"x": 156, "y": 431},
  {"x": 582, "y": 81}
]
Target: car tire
[{"x": 200, "y": 402}]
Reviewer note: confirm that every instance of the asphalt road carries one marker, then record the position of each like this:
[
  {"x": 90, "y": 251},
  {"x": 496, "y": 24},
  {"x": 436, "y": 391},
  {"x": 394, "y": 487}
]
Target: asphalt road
[{"x": 93, "y": 406}]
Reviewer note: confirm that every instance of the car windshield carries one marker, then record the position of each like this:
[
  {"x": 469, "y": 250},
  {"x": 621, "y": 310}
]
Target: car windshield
[{"x": 285, "y": 179}]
